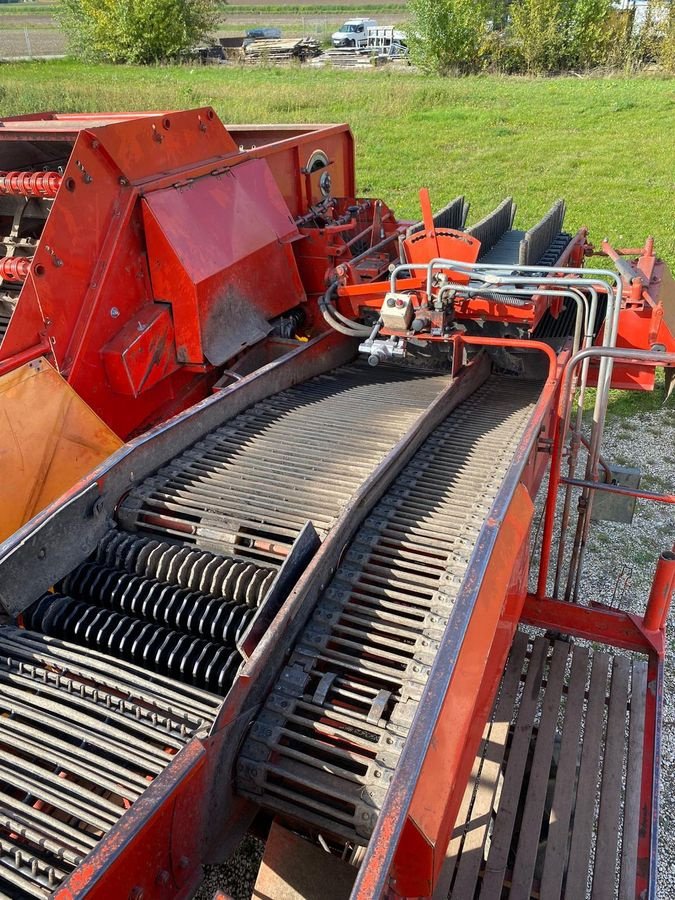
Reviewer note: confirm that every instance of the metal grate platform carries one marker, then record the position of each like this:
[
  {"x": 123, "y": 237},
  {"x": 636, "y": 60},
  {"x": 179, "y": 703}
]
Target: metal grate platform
[{"x": 552, "y": 804}]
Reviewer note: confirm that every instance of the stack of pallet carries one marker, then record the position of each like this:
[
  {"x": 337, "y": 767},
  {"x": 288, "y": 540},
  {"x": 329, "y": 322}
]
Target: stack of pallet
[
  {"x": 349, "y": 59},
  {"x": 278, "y": 50}
]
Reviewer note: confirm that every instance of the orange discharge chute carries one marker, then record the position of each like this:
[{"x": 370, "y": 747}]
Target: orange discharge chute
[{"x": 49, "y": 439}]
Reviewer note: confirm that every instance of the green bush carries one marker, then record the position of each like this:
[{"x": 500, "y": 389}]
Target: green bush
[
  {"x": 135, "y": 31},
  {"x": 590, "y": 32},
  {"x": 667, "y": 51},
  {"x": 554, "y": 35},
  {"x": 539, "y": 34},
  {"x": 446, "y": 35},
  {"x": 501, "y": 54}
]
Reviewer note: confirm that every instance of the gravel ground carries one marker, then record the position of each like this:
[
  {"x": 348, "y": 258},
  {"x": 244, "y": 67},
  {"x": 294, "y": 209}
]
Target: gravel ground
[
  {"x": 237, "y": 876},
  {"x": 620, "y": 565},
  {"x": 618, "y": 570}
]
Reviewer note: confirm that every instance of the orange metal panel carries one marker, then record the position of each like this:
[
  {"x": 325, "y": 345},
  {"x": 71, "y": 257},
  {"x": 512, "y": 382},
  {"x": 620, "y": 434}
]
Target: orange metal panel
[{"x": 50, "y": 439}]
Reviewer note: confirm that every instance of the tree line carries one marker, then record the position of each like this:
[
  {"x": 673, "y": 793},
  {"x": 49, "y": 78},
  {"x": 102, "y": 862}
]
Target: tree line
[{"x": 446, "y": 36}]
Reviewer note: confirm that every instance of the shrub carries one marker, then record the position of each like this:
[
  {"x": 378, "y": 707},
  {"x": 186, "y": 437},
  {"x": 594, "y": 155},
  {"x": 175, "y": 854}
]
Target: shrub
[
  {"x": 553, "y": 35},
  {"x": 590, "y": 32},
  {"x": 667, "y": 54},
  {"x": 446, "y": 35},
  {"x": 135, "y": 31}
]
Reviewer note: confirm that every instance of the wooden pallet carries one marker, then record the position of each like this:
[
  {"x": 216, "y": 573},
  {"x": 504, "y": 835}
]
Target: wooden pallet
[{"x": 552, "y": 806}]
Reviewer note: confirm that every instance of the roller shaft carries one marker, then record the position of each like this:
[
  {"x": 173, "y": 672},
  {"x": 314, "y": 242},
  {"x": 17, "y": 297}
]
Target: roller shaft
[{"x": 30, "y": 184}]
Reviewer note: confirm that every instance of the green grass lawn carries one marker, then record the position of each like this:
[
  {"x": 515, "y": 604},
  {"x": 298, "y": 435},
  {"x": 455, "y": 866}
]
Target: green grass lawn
[{"x": 606, "y": 145}]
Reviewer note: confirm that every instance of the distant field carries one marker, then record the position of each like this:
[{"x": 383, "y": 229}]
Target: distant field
[
  {"x": 603, "y": 144},
  {"x": 31, "y": 28}
]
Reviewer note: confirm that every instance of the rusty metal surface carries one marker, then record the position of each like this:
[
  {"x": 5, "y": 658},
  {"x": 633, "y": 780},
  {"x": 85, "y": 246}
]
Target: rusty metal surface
[
  {"x": 136, "y": 582},
  {"x": 249, "y": 487},
  {"x": 261, "y": 671},
  {"x": 294, "y": 869},
  {"x": 57, "y": 539}
]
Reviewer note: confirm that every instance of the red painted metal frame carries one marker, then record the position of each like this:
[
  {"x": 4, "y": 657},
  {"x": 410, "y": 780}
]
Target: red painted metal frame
[
  {"x": 25, "y": 356},
  {"x": 647, "y": 317},
  {"x": 560, "y": 434},
  {"x": 154, "y": 850},
  {"x": 372, "y": 294},
  {"x": 84, "y": 301}
]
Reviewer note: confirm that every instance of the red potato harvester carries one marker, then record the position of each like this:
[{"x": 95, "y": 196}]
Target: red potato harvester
[{"x": 295, "y": 601}]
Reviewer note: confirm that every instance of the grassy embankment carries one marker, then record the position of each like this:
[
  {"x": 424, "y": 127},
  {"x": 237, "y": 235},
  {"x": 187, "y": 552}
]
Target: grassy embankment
[{"x": 606, "y": 145}]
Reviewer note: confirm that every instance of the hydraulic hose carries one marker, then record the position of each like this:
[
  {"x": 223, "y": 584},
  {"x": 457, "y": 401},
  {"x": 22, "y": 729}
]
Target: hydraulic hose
[{"x": 336, "y": 320}]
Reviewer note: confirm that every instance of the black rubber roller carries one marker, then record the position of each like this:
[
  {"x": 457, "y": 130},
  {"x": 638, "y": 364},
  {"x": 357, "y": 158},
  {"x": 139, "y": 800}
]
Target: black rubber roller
[
  {"x": 237, "y": 580},
  {"x": 195, "y": 661},
  {"x": 180, "y": 609}
]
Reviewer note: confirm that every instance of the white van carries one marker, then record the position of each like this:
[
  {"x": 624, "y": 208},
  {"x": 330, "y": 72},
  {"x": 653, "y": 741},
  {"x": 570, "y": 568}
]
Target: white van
[{"x": 354, "y": 33}]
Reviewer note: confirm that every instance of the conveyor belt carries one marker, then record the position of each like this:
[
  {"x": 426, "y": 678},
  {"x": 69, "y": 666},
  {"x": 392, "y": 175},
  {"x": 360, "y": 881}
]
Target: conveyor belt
[
  {"x": 324, "y": 748},
  {"x": 502, "y": 244},
  {"x": 85, "y": 730},
  {"x": 82, "y": 735},
  {"x": 567, "y": 728},
  {"x": 249, "y": 487}
]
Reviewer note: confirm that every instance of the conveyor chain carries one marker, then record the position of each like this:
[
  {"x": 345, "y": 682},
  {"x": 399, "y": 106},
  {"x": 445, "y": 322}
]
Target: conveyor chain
[
  {"x": 249, "y": 487},
  {"x": 324, "y": 748},
  {"x": 82, "y": 734},
  {"x": 222, "y": 517}
]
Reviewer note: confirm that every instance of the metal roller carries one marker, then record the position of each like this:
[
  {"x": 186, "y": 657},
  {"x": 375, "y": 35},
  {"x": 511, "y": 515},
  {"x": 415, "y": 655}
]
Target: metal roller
[
  {"x": 30, "y": 184},
  {"x": 15, "y": 268},
  {"x": 189, "y": 612},
  {"x": 198, "y": 662},
  {"x": 196, "y": 570}
]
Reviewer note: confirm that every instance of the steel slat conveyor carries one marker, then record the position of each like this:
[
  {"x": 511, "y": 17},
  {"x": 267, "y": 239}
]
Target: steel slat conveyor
[
  {"x": 82, "y": 734},
  {"x": 249, "y": 487},
  {"x": 324, "y": 748}
]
